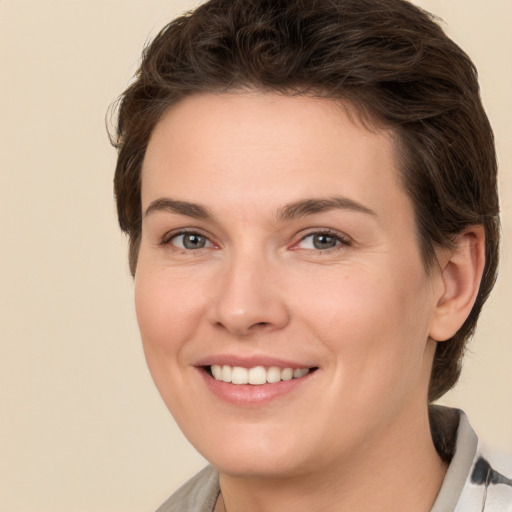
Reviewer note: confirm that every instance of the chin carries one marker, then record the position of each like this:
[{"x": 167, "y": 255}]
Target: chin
[
  {"x": 253, "y": 455},
  {"x": 257, "y": 465}
]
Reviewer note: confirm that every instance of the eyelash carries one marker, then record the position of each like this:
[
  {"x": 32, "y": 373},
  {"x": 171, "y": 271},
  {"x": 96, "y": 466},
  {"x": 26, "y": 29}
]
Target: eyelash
[
  {"x": 169, "y": 237},
  {"x": 342, "y": 240}
]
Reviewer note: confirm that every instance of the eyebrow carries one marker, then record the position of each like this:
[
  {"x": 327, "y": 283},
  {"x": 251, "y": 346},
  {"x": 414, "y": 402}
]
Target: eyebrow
[
  {"x": 186, "y": 208},
  {"x": 313, "y": 206},
  {"x": 297, "y": 209}
]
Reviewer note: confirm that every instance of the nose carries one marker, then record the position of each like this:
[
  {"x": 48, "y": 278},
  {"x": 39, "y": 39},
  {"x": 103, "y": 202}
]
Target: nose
[{"x": 249, "y": 299}]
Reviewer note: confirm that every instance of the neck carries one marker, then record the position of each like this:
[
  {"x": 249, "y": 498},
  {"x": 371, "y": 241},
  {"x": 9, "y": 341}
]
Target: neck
[{"x": 400, "y": 472}]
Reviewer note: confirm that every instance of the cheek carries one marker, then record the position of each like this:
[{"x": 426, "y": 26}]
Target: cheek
[
  {"x": 167, "y": 312},
  {"x": 373, "y": 325},
  {"x": 168, "y": 315}
]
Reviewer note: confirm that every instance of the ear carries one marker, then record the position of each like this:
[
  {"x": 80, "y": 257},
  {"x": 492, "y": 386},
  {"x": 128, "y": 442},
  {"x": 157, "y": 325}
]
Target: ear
[{"x": 461, "y": 272}]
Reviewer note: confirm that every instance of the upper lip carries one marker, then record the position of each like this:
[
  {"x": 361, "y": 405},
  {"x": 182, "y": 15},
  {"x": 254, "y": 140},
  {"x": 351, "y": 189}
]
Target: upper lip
[{"x": 250, "y": 361}]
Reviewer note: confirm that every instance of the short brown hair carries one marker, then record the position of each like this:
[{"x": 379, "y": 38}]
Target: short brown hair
[{"x": 387, "y": 58}]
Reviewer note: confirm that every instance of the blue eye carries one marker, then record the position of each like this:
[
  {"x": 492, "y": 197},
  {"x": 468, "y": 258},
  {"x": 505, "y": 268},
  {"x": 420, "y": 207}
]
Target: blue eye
[
  {"x": 190, "y": 241},
  {"x": 321, "y": 241}
]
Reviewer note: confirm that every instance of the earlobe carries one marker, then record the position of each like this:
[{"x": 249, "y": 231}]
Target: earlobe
[{"x": 461, "y": 272}]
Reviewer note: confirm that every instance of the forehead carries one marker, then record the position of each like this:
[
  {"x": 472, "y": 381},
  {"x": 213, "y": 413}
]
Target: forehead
[{"x": 240, "y": 148}]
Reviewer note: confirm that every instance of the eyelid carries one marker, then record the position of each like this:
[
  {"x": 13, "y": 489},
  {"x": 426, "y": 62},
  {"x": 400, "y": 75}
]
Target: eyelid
[
  {"x": 343, "y": 239},
  {"x": 167, "y": 238}
]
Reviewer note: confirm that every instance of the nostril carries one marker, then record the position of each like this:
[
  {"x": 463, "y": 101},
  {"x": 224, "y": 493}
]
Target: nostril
[{"x": 260, "y": 324}]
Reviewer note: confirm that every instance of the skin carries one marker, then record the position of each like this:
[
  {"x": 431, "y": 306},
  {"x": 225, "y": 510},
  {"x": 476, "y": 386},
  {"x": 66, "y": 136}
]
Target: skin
[{"x": 354, "y": 435}]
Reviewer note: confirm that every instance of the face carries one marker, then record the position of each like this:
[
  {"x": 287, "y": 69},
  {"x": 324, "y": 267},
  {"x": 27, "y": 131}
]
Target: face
[{"x": 279, "y": 248}]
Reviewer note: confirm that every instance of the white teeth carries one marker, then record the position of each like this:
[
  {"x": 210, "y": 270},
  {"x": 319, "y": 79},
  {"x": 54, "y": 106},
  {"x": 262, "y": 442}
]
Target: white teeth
[
  {"x": 217, "y": 371},
  {"x": 239, "y": 375},
  {"x": 300, "y": 372},
  {"x": 273, "y": 374},
  {"x": 257, "y": 375},
  {"x": 226, "y": 373},
  {"x": 287, "y": 374}
]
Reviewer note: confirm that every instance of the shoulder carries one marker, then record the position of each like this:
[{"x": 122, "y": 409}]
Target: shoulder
[
  {"x": 199, "y": 494},
  {"x": 489, "y": 482},
  {"x": 478, "y": 479}
]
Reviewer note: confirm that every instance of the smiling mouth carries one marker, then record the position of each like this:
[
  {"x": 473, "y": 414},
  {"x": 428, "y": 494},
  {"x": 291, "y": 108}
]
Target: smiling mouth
[{"x": 256, "y": 376}]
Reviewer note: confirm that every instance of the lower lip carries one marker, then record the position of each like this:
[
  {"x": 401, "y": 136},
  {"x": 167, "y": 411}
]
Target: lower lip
[{"x": 248, "y": 395}]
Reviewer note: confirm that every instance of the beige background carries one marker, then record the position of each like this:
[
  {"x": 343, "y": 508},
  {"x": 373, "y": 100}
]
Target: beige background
[{"x": 81, "y": 427}]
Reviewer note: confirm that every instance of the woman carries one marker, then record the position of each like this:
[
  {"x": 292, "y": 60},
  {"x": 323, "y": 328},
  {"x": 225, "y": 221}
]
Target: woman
[{"x": 309, "y": 189}]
